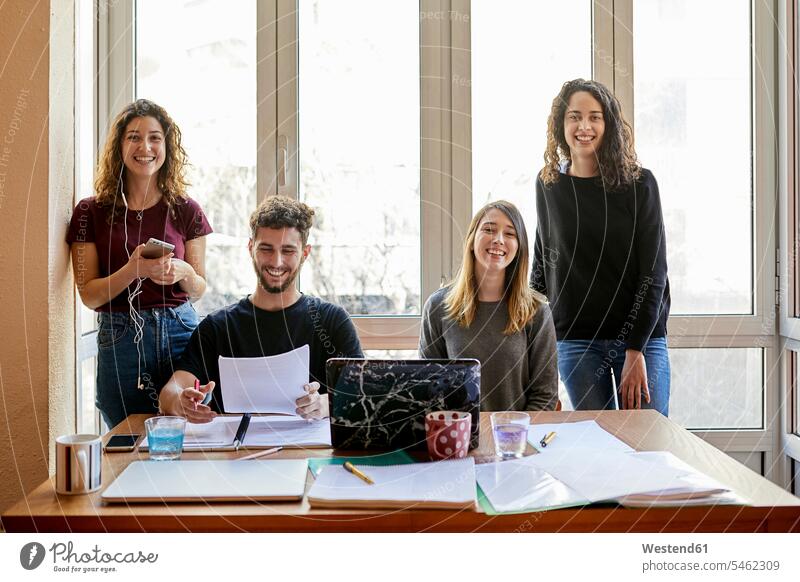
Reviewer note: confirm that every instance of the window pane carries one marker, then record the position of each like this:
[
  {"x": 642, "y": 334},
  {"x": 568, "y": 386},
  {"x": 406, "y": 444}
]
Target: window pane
[
  {"x": 693, "y": 130},
  {"x": 359, "y": 152},
  {"x": 519, "y": 62},
  {"x": 717, "y": 388},
  {"x": 203, "y": 73}
]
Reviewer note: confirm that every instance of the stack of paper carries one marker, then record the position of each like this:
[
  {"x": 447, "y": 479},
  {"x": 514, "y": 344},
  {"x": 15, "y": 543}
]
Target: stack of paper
[
  {"x": 583, "y": 475},
  {"x": 286, "y": 431},
  {"x": 260, "y": 432},
  {"x": 437, "y": 485}
]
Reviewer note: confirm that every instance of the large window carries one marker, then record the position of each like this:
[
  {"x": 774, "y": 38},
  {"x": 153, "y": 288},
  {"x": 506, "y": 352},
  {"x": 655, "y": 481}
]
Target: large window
[
  {"x": 693, "y": 130},
  {"x": 358, "y": 115},
  {"x": 519, "y": 62},
  {"x": 204, "y": 74}
]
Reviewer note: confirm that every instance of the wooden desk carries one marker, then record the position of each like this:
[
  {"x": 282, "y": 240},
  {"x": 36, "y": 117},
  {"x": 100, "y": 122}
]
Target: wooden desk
[{"x": 773, "y": 508}]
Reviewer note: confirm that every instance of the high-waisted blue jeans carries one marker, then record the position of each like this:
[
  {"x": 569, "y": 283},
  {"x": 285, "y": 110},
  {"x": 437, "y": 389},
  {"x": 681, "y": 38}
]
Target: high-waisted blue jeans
[
  {"x": 586, "y": 367},
  {"x": 166, "y": 333}
]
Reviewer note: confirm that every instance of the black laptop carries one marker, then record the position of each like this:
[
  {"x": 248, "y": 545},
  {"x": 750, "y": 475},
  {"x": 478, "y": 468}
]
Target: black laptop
[{"x": 381, "y": 404}]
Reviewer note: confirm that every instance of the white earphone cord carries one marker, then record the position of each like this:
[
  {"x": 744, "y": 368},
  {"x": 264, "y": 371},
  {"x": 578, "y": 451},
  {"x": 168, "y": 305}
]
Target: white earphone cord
[{"x": 136, "y": 318}]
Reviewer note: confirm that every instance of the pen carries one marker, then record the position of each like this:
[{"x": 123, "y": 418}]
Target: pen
[
  {"x": 196, "y": 387},
  {"x": 349, "y": 467},
  {"x": 260, "y": 454},
  {"x": 547, "y": 439}
]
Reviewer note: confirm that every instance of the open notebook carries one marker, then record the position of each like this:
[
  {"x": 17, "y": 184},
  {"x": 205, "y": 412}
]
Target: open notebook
[
  {"x": 232, "y": 432},
  {"x": 437, "y": 485},
  {"x": 582, "y": 476}
]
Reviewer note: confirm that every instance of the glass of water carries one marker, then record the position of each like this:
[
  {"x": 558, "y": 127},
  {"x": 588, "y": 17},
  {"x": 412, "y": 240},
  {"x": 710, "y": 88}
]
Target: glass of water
[
  {"x": 165, "y": 437},
  {"x": 510, "y": 432}
]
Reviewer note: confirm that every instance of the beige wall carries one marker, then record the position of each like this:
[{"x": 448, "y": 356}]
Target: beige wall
[{"x": 36, "y": 350}]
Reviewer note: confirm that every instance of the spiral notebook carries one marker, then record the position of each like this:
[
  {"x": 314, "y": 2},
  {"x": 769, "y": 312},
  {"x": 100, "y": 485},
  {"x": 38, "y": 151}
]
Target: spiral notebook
[{"x": 436, "y": 485}]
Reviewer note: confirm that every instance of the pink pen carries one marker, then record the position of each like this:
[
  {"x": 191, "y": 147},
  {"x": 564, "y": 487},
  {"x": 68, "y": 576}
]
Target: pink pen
[{"x": 196, "y": 387}]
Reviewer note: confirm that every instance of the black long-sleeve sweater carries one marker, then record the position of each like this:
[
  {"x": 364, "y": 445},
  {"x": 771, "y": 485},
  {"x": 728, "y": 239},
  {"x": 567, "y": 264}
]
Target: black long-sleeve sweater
[{"x": 601, "y": 259}]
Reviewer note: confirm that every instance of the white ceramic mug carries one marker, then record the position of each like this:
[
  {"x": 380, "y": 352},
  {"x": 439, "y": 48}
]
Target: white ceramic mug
[{"x": 78, "y": 463}]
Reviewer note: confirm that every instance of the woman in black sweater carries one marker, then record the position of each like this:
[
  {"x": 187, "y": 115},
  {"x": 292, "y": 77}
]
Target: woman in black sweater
[{"x": 600, "y": 255}]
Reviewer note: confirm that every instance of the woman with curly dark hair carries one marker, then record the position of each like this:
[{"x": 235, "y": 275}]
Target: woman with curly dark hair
[
  {"x": 600, "y": 255},
  {"x": 144, "y": 304}
]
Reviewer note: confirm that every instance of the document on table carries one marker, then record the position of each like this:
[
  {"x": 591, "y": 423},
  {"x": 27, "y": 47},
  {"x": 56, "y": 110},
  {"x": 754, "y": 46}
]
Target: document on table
[
  {"x": 586, "y": 434},
  {"x": 581, "y": 476},
  {"x": 270, "y": 384},
  {"x": 436, "y": 485},
  {"x": 519, "y": 486},
  {"x": 287, "y": 431},
  {"x": 608, "y": 475}
]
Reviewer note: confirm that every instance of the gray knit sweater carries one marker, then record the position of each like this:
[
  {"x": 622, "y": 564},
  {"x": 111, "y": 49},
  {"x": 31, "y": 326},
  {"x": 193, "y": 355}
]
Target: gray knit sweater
[{"x": 518, "y": 372}]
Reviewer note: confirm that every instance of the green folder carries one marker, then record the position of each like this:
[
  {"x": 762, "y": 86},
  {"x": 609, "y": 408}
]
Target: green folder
[{"x": 380, "y": 460}]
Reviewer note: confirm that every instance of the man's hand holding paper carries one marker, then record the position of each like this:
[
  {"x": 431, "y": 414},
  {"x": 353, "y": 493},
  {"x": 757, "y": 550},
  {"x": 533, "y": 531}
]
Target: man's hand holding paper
[{"x": 313, "y": 405}]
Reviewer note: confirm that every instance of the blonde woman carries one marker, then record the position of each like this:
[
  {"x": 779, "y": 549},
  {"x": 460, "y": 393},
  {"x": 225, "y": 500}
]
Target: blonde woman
[
  {"x": 490, "y": 313},
  {"x": 144, "y": 305}
]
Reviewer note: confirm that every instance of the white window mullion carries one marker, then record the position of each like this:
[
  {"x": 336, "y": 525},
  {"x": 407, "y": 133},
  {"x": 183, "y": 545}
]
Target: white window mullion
[
  {"x": 287, "y": 171},
  {"x": 266, "y": 98}
]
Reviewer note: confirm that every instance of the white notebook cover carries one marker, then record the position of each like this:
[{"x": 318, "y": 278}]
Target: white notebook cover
[{"x": 255, "y": 480}]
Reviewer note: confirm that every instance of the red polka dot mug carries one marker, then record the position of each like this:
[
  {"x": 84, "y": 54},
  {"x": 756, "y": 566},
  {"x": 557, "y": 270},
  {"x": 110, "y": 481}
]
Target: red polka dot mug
[{"x": 447, "y": 433}]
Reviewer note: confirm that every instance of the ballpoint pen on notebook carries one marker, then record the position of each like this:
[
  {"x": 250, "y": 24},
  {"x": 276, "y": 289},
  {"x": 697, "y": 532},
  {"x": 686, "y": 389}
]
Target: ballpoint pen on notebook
[
  {"x": 349, "y": 467},
  {"x": 547, "y": 439}
]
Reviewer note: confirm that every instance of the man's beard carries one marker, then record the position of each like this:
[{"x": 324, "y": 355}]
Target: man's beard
[{"x": 262, "y": 280}]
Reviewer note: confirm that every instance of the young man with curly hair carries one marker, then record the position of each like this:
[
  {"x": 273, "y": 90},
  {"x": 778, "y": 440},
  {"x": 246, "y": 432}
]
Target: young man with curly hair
[{"x": 274, "y": 319}]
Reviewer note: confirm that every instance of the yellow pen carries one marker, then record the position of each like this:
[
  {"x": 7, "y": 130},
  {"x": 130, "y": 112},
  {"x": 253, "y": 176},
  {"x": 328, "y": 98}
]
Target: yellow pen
[
  {"x": 349, "y": 467},
  {"x": 547, "y": 439}
]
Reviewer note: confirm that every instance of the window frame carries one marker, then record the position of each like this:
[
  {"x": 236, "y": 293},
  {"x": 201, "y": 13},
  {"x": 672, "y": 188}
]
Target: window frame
[
  {"x": 789, "y": 222},
  {"x": 446, "y": 177}
]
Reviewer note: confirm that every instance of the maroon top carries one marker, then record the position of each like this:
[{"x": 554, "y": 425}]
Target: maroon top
[{"x": 90, "y": 224}]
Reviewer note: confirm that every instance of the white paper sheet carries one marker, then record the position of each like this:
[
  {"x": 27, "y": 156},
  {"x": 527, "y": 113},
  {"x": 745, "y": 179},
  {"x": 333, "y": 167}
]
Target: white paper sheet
[
  {"x": 270, "y": 384},
  {"x": 519, "y": 485},
  {"x": 287, "y": 431},
  {"x": 607, "y": 475},
  {"x": 586, "y": 434}
]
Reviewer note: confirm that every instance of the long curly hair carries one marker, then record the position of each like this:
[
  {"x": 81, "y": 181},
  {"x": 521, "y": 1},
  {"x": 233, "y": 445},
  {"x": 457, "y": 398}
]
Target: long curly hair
[
  {"x": 461, "y": 302},
  {"x": 111, "y": 169},
  {"x": 617, "y": 161}
]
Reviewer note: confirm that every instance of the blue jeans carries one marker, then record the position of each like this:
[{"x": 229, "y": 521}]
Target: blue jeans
[
  {"x": 586, "y": 367},
  {"x": 166, "y": 332}
]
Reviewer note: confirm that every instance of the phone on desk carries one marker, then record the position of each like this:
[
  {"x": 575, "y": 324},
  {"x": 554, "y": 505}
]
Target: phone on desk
[
  {"x": 155, "y": 249},
  {"x": 122, "y": 443}
]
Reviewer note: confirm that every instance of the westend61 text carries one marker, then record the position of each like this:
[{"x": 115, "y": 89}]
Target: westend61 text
[
  {"x": 670, "y": 549},
  {"x": 65, "y": 553}
]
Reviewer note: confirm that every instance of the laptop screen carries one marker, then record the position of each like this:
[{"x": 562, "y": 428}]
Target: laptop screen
[{"x": 381, "y": 404}]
